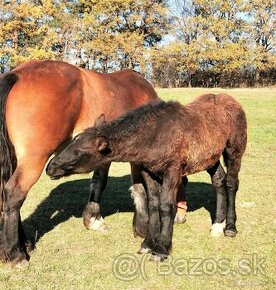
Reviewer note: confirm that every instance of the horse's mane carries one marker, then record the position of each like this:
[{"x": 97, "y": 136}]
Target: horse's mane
[{"x": 135, "y": 118}]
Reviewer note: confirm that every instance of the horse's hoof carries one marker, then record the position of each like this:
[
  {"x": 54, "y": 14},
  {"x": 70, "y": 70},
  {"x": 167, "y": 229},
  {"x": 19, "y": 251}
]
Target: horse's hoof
[
  {"x": 96, "y": 224},
  {"x": 158, "y": 258},
  {"x": 181, "y": 213},
  {"x": 144, "y": 251},
  {"x": 23, "y": 264},
  {"x": 230, "y": 233},
  {"x": 217, "y": 229}
]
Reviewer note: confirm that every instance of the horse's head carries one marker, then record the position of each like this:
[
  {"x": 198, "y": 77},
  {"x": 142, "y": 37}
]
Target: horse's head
[{"x": 86, "y": 151}]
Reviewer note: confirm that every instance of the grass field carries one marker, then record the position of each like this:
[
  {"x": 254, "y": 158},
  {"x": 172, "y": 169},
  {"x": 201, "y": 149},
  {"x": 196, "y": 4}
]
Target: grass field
[{"x": 67, "y": 256}]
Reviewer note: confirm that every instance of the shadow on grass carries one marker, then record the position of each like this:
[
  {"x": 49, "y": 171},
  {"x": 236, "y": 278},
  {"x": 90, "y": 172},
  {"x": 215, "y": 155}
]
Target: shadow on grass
[{"x": 68, "y": 200}]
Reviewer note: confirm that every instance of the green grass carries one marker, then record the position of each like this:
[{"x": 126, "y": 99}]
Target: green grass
[{"x": 67, "y": 256}]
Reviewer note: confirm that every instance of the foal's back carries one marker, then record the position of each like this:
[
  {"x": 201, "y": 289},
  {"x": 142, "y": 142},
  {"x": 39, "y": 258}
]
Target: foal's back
[
  {"x": 214, "y": 121},
  {"x": 221, "y": 105}
]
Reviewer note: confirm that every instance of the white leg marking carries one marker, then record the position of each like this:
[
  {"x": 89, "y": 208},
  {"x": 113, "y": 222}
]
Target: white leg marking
[
  {"x": 217, "y": 229},
  {"x": 97, "y": 224}
]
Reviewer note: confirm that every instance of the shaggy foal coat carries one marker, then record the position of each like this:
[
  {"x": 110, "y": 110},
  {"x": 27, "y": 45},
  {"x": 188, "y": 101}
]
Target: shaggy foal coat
[{"x": 169, "y": 141}]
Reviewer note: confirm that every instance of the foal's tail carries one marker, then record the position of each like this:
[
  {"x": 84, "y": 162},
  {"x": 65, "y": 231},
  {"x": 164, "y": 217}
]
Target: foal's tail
[{"x": 7, "y": 153}]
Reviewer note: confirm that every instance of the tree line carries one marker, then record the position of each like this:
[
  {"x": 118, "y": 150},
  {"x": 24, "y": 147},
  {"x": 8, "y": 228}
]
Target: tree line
[{"x": 173, "y": 43}]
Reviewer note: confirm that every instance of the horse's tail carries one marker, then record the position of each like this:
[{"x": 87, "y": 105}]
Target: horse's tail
[{"x": 7, "y": 152}]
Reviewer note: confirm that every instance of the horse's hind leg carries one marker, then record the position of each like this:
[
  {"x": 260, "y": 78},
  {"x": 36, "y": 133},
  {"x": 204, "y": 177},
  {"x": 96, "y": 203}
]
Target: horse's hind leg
[
  {"x": 92, "y": 218},
  {"x": 218, "y": 178},
  {"x": 15, "y": 191},
  {"x": 11, "y": 228},
  {"x": 181, "y": 204},
  {"x": 139, "y": 195}
]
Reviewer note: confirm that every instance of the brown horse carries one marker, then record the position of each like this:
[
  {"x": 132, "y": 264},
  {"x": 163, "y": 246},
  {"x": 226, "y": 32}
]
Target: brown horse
[
  {"x": 43, "y": 105},
  {"x": 179, "y": 140}
]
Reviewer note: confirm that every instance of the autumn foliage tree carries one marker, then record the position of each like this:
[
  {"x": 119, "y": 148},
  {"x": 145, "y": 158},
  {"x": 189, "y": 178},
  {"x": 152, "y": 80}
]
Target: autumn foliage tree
[
  {"x": 98, "y": 33},
  {"x": 172, "y": 42},
  {"x": 26, "y": 32},
  {"x": 226, "y": 43}
]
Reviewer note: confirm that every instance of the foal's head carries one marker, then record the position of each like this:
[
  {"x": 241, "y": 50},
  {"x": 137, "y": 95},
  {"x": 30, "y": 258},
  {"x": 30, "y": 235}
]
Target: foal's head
[{"x": 82, "y": 155}]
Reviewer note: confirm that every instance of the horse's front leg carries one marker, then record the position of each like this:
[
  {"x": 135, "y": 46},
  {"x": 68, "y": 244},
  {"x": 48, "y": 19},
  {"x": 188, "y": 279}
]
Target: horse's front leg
[
  {"x": 167, "y": 211},
  {"x": 92, "y": 218}
]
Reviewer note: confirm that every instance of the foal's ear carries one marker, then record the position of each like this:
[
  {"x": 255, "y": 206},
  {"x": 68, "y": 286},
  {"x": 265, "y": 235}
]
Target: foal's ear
[
  {"x": 103, "y": 146},
  {"x": 99, "y": 120}
]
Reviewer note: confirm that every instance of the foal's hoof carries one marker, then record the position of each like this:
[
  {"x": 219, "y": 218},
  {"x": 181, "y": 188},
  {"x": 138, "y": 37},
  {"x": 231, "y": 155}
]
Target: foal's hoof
[
  {"x": 144, "y": 251},
  {"x": 230, "y": 230},
  {"x": 96, "y": 224},
  {"x": 217, "y": 229},
  {"x": 159, "y": 253},
  {"x": 230, "y": 233},
  {"x": 158, "y": 258},
  {"x": 23, "y": 264}
]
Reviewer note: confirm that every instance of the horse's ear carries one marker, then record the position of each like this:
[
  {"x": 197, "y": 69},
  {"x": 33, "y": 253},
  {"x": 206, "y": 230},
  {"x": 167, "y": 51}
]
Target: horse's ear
[
  {"x": 103, "y": 146},
  {"x": 99, "y": 120}
]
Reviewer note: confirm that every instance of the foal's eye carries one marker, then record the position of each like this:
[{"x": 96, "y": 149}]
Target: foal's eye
[{"x": 78, "y": 153}]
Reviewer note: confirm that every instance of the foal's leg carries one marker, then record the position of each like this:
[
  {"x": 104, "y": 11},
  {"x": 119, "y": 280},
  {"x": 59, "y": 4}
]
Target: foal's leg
[
  {"x": 139, "y": 195},
  {"x": 153, "y": 229},
  {"x": 92, "y": 218},
  {"x": 218, "y": 178},
  {"x": 232, "y": 184},
  {"x": 167, "y": 211}
]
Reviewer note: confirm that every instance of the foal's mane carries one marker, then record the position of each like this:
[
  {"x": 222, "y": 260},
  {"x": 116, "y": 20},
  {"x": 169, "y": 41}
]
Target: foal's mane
[{"x": 135, "y": 119}]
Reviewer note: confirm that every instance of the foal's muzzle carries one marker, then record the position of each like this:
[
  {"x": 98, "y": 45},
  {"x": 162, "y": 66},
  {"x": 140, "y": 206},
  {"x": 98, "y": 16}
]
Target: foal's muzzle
[{"x": 53, "y": 172}]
